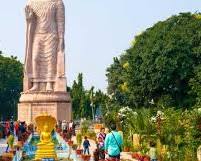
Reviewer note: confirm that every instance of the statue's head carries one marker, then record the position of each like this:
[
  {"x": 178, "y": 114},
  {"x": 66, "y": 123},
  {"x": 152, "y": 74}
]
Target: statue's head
[{"x": 45, "y": 128}]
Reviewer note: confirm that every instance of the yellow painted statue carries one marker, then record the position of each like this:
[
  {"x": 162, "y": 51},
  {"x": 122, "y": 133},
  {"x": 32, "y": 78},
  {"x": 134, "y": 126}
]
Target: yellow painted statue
[
  {"x": 45, "y": 137},
  {"x": 45, "y": 148}
]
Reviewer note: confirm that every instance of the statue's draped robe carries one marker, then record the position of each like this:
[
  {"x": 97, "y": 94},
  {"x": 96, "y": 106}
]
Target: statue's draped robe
[{"x": 42, "y": 39}]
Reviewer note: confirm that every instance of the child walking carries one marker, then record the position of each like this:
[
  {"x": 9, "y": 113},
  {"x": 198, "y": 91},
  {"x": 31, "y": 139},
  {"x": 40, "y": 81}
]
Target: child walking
[
  {"x": 152, "y": 151},
  {"x": 86, "y": 145},
  {"x": 101, "y": 149}
]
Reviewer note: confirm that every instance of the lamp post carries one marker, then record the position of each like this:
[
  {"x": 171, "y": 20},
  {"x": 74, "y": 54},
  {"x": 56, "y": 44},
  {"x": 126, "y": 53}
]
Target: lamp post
[
  {"x": 92, "y": 108},
  {"x": 92, "y": 104}
]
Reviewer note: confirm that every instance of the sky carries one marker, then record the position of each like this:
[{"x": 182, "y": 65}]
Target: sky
[{"x": 96, "y": 31}]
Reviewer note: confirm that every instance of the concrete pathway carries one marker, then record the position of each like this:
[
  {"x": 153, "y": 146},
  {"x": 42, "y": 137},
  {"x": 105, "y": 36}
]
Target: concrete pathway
[
  {"x": 124, "y": 155},
  {"x": 3, "y": 145}
]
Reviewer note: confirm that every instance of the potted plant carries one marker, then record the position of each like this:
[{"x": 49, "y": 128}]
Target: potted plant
[
  {"x": 86, "y": 157},
  {"x": 74, "y": 146},
  {"x": 79, "y": 142},
  {"x": 17, "y": 147},
  {"x": 70, "y": 142},
  {"x": 140, "y": 157},
  {"x": 146, "y": 158},
  {"x": 85, "y": 127},
  {"x": 7, "y": 156},
  {"x": 127, "y": 145},
  {"x": 91, "y": 135},
  {"x": 135, "y": 155}
]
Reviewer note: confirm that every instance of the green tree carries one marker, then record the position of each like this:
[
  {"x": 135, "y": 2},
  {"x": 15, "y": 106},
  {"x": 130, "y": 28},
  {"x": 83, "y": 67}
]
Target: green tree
[
  {"x": 76, "y": 93},
  {"x": 11, "y": 74},
  {"x": 159, "y": 65},
  {"x": 100, "y": 101},
  {"x": 195, "y": 84},
  {"x": 80, "y": 99},
  {"x": 83, "y": 100},
  {"x": 116, "y": 78}
]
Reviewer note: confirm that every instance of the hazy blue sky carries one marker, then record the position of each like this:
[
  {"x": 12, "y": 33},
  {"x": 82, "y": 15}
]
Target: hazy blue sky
[{"x": 96, "y": 30}]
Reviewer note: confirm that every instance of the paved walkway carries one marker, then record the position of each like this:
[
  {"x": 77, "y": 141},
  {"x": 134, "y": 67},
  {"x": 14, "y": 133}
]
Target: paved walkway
[
  {"x": 124, "y": 155},
  {"x": 3, "y": 145}
]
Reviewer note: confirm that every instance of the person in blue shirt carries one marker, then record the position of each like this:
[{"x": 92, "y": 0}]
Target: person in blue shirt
[
  {"x": 113, "y": 143},
  {"x": 86, "y": 145}
]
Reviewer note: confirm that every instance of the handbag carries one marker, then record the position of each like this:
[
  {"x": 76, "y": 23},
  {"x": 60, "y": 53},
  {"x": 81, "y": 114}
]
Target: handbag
[{"x": 117, "y": 143}]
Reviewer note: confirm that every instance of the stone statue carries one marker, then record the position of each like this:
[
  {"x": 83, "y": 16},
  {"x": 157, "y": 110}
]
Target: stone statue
[
  {"x": 44, "y": 82},
  {"x": 44, "y": 57},
  {"x": 45, "y": 136},
  {"x": 45, "y": 148}
]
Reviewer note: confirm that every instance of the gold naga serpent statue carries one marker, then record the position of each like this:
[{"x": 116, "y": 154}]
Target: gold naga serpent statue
[{"x": 45, "y": 148}]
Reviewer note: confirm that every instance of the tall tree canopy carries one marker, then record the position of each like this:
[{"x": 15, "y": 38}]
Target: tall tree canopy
[
  {"x": 83, "y": 100},
  {"x": 160, "y": 66},
  {"x": 11, "y": 74}
]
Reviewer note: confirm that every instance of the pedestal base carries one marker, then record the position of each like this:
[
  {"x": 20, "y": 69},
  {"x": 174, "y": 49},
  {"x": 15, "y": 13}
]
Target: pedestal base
[
  {"x": 45, "y": 151},
  {"x": 34, "y": 104}
]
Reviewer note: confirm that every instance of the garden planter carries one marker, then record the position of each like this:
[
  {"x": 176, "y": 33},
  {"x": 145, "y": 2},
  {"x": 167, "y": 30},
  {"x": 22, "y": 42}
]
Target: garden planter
[
  {"x": 146, "y": 158},
  {"x": 7, "y": 157},
  {"x": 126, "y": 149},
  {"x": 74, "y": 146},
  {"x": 98, "y": 126},
  {"x": 96, "y": 155},
  {"x": 13, "y": 151},
  {"x": 20, "y": 143},
  {"x": 135, "y": 155},
  {"x": 86, "y": 157},
  {"x": 79, "y": 151},
  {"x": 70, "y": 142},
  {"x": 17, "y": 147},
  {"x": 140, "y": 157}
]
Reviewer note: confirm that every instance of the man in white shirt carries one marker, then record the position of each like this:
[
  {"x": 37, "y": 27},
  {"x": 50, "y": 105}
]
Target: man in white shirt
[{"x": 64, "y": 126}]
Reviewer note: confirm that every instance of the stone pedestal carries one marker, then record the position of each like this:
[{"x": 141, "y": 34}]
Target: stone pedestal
[
  {"x": 45, "y": 151},
  {"x": 32, "y": 104}
]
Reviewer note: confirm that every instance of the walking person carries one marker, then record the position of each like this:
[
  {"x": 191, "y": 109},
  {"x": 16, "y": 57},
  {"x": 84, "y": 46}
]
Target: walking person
[
  {"x": 101, "y": 141},
  {"x": 10, "y": 141},
  {"x": 102, "y": 134},
  {"x": 101, "y": 149},
  {"x": 64, "y": 126},
  {"x": 7, "y": 128},
  {"x": 16, "y": 128},
  {"x": 113, "y": 144},
  {"x": 86, "y": 145},
  {"x": 153, "y": 151},
  {"x": 72, "y": 127},
  {"x": 11, "y": 128}
]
